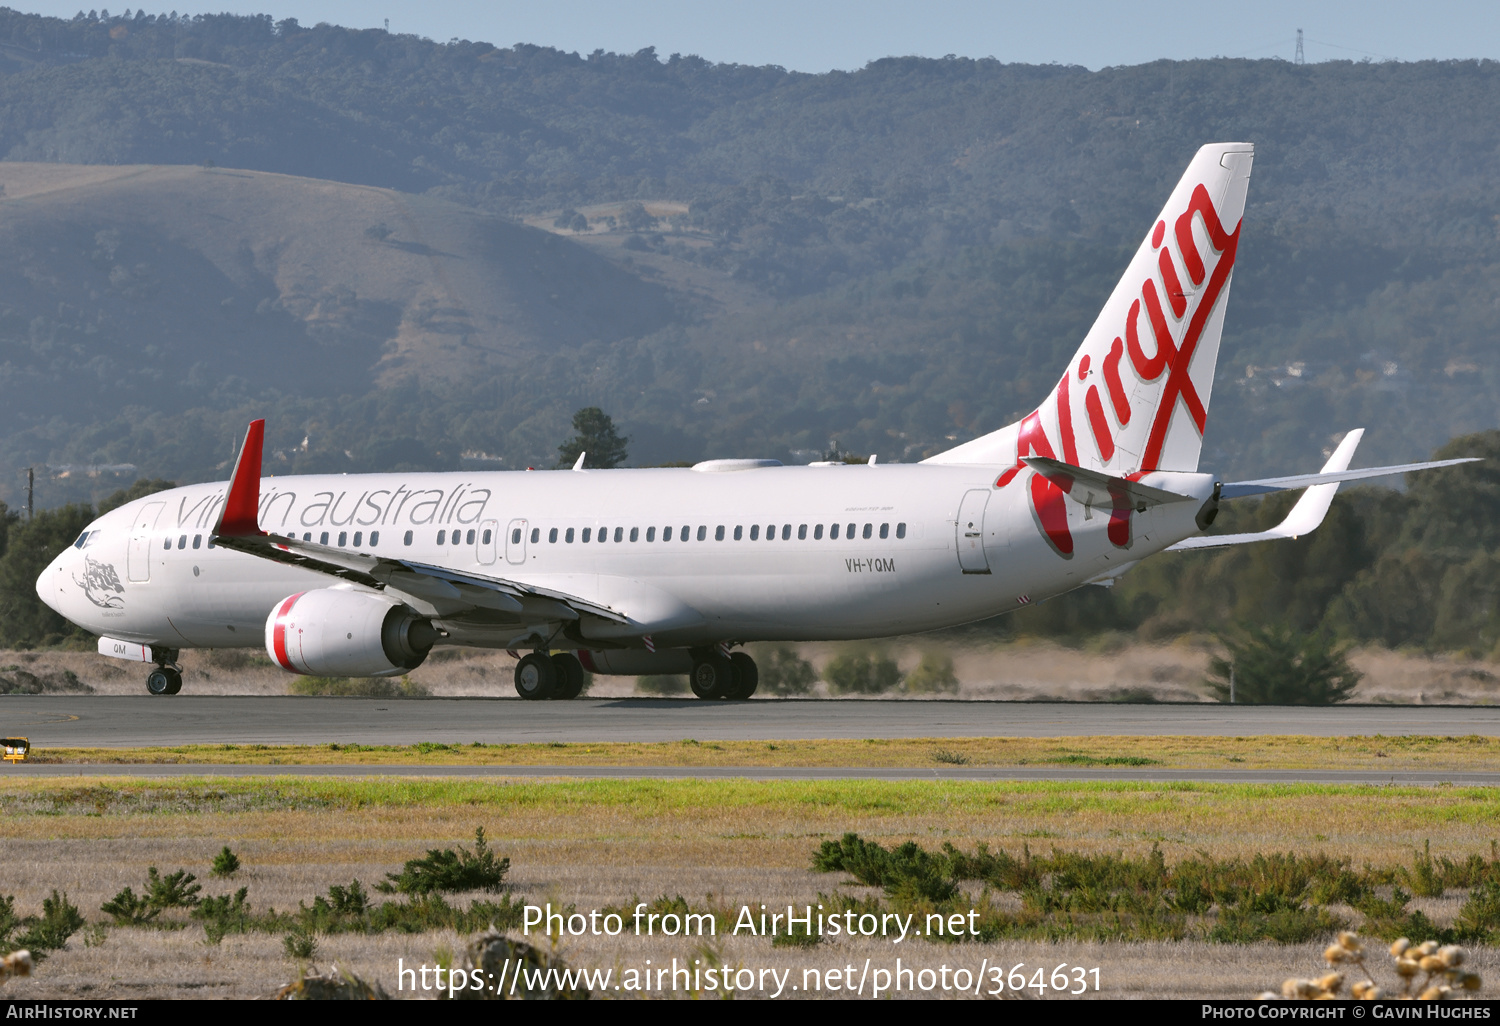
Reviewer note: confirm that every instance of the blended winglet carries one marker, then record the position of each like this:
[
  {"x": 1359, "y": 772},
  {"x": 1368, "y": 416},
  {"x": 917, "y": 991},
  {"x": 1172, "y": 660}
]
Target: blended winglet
[
  {"x": 1305, "y": 516},
  {"x": 241, "y": 515}
]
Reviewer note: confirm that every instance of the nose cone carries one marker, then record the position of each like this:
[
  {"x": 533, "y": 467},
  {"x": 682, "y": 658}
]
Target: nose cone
[{"x": 49, "y": 584}]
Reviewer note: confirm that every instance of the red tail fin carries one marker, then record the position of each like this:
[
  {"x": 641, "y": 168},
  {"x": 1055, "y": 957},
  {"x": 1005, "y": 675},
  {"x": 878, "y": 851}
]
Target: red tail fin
[{"x": 241, "y": 516}]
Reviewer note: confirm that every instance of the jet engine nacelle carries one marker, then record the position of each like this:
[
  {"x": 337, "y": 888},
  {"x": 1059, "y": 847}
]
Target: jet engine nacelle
[{"x": 337, "y": 633}]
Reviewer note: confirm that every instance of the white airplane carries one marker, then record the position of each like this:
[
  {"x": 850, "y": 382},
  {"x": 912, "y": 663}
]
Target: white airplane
[{"x": 669, "y": 570}]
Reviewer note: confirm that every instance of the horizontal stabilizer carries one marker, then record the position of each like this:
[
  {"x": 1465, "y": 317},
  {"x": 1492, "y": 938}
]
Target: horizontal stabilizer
[{"x": 1091, "y": 488}]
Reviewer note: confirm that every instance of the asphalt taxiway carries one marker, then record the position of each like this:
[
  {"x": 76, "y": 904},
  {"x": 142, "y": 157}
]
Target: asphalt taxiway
[{"x": 106, "y": 721}]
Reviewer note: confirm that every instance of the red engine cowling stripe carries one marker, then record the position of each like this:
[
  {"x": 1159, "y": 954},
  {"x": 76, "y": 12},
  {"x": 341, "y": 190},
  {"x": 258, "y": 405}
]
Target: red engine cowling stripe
[{"x": 278, "y": 633}]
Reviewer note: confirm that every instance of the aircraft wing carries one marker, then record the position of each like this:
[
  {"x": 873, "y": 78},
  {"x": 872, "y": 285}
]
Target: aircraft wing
[
  {"x": 448, "y": 590},
  {"x": 1310, "y": 510}
]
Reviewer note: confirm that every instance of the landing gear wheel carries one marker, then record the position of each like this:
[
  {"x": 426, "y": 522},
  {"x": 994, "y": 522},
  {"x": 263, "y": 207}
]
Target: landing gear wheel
[
  {"x": 713, "y": 677},
  {"x": 569, "y": 675},
  {"x": 536, "y": 677},
  {"x": 164, "y": 681},
  {"x": 746, "y": 675}
]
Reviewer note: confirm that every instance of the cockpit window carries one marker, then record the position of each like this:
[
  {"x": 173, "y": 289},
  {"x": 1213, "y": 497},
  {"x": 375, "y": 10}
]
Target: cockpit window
[{"x": 83, "y": 539}]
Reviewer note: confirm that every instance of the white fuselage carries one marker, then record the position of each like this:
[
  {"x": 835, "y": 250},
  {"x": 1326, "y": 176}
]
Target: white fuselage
[{"x": 691, "y": 557}]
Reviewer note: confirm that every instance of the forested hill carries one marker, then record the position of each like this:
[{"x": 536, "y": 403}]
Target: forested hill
[{"x": 898, "y": 257}]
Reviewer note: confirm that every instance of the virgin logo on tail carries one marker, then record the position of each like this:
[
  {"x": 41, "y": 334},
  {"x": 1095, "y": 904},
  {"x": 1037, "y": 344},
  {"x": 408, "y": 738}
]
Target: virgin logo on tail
[{"x": 1143, "y": 375}]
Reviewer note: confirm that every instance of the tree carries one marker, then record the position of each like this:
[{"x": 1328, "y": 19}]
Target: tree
[
  {"x": 1279, "y": 666},
  {"x": 139, "y": 489},
  {"x": 596, "y": 437},
  {"x": 24, "y": 620},
  {"x": 862, "y": 672}
]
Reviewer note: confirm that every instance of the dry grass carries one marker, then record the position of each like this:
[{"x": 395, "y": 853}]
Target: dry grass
[
  {"x": 1469, "y": 753},
  {"x": 1112, "y": 669},
  {"x": 596, "y": 843}
]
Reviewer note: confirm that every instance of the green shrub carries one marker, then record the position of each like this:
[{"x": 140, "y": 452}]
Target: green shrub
[
  {"x": 662, "y": 684},
  {"x": 299, "y": 945},
  {"x": 60, "y": 919},
  {"x": 357, "y": 687},
  {"x": 1479, "y": 919},
  {"x": 933, "y": 676},
  {"x": 783, "y": 671},
  {"x": 1278, "y": 666},
  {"x": 447, "y": 870},
  {"x": 175, "y": 891},
  {"x": 860, "y": 672},
  {"x": 226, "y": 863},
  {"x": 224, "y": 914},
  {"x": 129, "y": 910}
]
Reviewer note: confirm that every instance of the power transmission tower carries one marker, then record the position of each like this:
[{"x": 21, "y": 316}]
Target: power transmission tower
[{"x": 1299, "y": 59}]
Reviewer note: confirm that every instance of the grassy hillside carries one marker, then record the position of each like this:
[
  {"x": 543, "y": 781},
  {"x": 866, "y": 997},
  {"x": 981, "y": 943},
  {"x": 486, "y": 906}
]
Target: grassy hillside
[{"x": 731, "y": 260}]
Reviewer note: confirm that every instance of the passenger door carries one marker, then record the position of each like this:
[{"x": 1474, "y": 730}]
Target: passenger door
[
  {"x": 515, "y": 542},
  {"x": 970, "y": 528},
  {"x": 138, "y": 557},
  {"x": 487, "y": 541}
]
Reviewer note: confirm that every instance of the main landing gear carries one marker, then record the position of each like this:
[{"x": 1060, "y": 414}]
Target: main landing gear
[
  {"x": 540, "y": 676},
  {"x": 716, "y": 675},
  {"x": 166, "y": 679}
]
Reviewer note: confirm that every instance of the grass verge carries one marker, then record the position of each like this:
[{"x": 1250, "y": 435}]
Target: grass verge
[{"x": 1468, "y": 752}]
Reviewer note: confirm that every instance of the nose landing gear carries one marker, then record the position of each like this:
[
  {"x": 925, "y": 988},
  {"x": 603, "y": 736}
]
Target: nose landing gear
[{"x": 166, "y": 679}]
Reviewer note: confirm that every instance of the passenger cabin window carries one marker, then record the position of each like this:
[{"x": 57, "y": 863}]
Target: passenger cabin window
[
  {"x": 685, "y": 530},
  {"x": 635, "y": 534},
  {"x": 359, "y": 536},
  {"x": 885, "y": 530},
  {"x": 406, "y": 539},
  {"x": 786, "y": 532},
  {"x": 166, "y": 543},
  {"x": 702, "y": 532},
  {"x": 651, "y": 534},
  {"x": 802, "y": 532},
  {"x": 306, "y": 536},
  {"x": 604, "y": 534},
  {"x": 469, "y": 537},
  {"x": 182, "y": 542},
  {"x": 515, "y": 536},
  {"x": 587, "y": 531},
  {"x": 536, "y": 534},
  {"x": 739, "y": 532},
  {"x": 343, "y": 538},
  {"x": 833, "y": 532},
  {"x": 867, "y": 530},
  {"x": 817, "y": 532},
  {"x": 666, "y": 534},
  {"x": 197, "y": 540},
  {"x": 442, "y": 537},
  {"x": 755, "y": 532},
  {"x": 552, "y": 536},
  {"x": 569, "y": 536},
  {"x": 620, "y": 534},
  {"x": 719, "y": 533},
  {"x": 901, "y": 530},
  {"x": 850, "y": 533},
  {"x": 374, "y": 538}
]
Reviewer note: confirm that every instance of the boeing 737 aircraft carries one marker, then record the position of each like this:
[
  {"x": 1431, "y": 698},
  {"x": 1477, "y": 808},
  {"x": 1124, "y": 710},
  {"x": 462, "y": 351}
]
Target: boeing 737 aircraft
[{"x": 670, "y": 570}]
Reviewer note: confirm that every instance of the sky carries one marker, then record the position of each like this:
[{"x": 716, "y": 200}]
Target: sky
[{"x": 823, "y": 35}]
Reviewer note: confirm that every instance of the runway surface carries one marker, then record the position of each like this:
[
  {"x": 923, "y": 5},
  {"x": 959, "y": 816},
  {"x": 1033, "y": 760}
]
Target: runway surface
[
  {"x": 99, "y": 721},
  {"x": 1456, "y": 778}
]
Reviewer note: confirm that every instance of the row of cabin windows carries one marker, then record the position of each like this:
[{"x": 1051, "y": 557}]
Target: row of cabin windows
[
  {"x": 687, "y": 533},
  {"x": 460, "y": 537}
]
